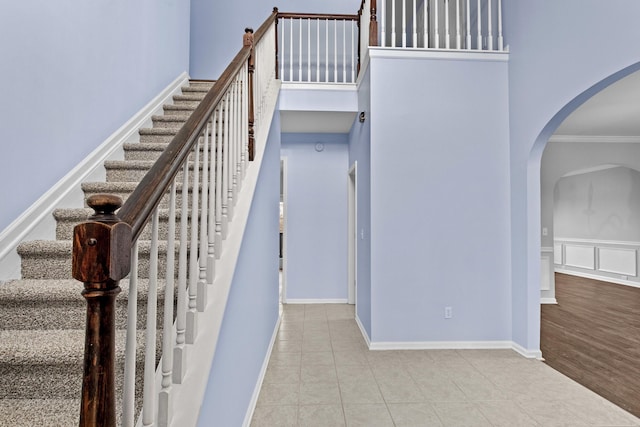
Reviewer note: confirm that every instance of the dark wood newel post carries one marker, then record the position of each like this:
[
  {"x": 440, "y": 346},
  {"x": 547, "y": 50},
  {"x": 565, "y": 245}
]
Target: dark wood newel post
[
  {"x": 101, "y": 257},
  {"x": 373, "y": 26}
]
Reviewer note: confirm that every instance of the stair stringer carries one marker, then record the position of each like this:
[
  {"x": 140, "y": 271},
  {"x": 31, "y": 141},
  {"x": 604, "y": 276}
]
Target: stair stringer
[
  {"x": 38, "y": 222},
  {"x": 188, "y": 396}
]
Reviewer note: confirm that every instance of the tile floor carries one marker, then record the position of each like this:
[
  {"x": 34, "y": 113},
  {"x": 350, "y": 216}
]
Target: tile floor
[{"x": 322, "y": 374}]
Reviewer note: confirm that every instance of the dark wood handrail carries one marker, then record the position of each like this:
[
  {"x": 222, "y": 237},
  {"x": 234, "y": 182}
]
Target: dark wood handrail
[
  {"x": 138, "y": 208},
  {"x": 331, "y": 17}
]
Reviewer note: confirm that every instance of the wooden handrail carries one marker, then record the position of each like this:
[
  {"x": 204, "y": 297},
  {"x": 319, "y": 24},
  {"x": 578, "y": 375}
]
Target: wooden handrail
[
  {"x": 137, "y": 210},
  {"x": 331, "y": 17}
]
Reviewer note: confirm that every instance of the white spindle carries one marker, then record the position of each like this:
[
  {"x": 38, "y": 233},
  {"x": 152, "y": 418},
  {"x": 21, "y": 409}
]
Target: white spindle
[
  {"x": 227, "y": 203},
  {"x": 239, "y": 137},
  {"x": 245, "y": 125},
  {"x": 335, "y": 51},
  {"x": 192, "y": 314},
  {"x": 500, "y": 39},
  {"x": 489, "y": 27},
  {"x": 219, "y": 188},
  {"x": 393, "y": 23},
  {"x": 425, "y": 12},
  {"x": 318, "y": 51},
  {"x": 436, "y": 26},
  {"x": 308, "y": 50},
  {"x": 204, "y": 210},
  {"x": 468, "y": 33},
  {"x": 326, "y": 51},
  {"x": 344, "y": 51},
  {"x": 149, "y": 389},
  {"x": 447, "y": 35},
  {"x": 458, "y": 34},
  {"x": 128, "y": 398},
  {"x": 300, "y": 50},
  {"x": 291, "y": 49},
  {"x": 383, "y": 24},
  {"x": 415, "y": 25},
  {"x": 353, "y": 55},
  {"x": 479, "y": 20},
  {"x": 180, "y": 357},
  {"x": 282, "y": 50},
  {"x": 164, "y": 401},
  {"x": 404, "y": 23}
]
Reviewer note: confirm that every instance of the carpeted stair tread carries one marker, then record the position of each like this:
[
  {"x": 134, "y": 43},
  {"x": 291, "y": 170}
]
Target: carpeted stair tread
[{"x": 39, "y": 412}]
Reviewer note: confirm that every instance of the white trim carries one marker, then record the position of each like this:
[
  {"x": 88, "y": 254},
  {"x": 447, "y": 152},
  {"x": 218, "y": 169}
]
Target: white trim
[
  {"x": 450, "y": 55},
  {"x": 587, "y": 139},
  {"x": 188, "y": 396},
  {"x": 37, "y": 222},
  {"x": 597, "y": 242},
  {"x": 363, "y": 68},
  {"x": 548, "y": 301},
  {"x": 546, "y": 249},
  {"x": 352, "y": 233},
  {"x": 256, "y": 391},
  {"x": 363, "y": 331},
  {"x": 439, "y": 345},
  {"x": 598, "y": 277},
  {"x": 529, "y": 354},
  {"x": 349, "y": 87},
  {"x": 590, "y": 170},
  {"x": 317, "y": 301},
  {"x": 285, "y": 189}
]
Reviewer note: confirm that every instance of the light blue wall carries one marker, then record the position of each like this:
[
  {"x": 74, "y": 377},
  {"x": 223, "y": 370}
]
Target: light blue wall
[
  {"x": 72, "y": 72},
  {"x": 316, "y": 223},
  {"x": 360, "y": 152},
  {"x": 252, "y": 309},
  {"x": 561, "y": 53},
  {"x": 440, "y": 200},
  {"x": 225, "y": 21}
]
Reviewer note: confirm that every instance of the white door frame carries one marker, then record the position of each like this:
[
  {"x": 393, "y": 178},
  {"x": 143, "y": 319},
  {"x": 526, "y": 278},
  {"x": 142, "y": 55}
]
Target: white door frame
[
  {"x": 352, "y": 284},
  {"x": 283, "y": 292}
]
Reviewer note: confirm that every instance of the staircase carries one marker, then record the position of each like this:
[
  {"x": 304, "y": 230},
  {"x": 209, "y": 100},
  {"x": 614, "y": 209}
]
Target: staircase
[{"x": 42, "y": 316}]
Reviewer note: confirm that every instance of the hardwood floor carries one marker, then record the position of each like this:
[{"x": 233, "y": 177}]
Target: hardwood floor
[{"x": 593, "y": 336}]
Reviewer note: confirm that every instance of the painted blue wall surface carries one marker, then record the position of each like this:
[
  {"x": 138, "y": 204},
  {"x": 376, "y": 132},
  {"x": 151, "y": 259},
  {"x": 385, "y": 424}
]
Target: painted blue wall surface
[
  {"x": 72, "y": 72},
  {"x": 360, "y": 152},
  {"x": 252, "y": 309},
  {"x": 316, "y": 224},
  {"x": 440, "y": 200},
  {"x": 561, "y": 53},
  {"x": 216, "y": 33}
]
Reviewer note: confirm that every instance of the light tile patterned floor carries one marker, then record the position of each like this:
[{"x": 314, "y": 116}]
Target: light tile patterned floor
[{"x": 322, "y": 374}]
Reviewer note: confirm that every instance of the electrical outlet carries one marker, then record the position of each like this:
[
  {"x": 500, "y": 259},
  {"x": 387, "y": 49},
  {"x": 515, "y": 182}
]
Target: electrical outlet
[{"x": 448, "y": 312}]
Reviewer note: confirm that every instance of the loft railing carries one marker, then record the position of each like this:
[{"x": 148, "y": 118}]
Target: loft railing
[
  {"x": 442, "y": 24},
  {"x": 170, "y": 231}
]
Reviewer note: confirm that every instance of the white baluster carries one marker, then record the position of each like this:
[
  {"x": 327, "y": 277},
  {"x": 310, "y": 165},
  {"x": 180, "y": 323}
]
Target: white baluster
[
  {"x": 202, "y": 221},
  {"x": 447, "y": 35},
  {"x": 129, "y": 394},
  {"x": 489, "y": 27},
  {"x": 415, "y": 25},
  {"x": 468, "y": 34},
  {"x": 326, "y": 51},
  {"x": 458, "y": 34},
  {"x": 393, "y": 23},
  {"x": 335, "y": 51},
  {"x": 192, "y": 313},
  {"x": 300, "y": 50},
  {"x": 500, "y": 39},
  {"x": 436, "y": 26},
  {"x": 290, "y": 50},
  {"x": 479, "y": 19},
  {"x": 239, "y": 136},
  {"x": 308, "y": 50},
  {"x": 404, "y": 23},
  {"x": 180, "y": 351},
  {"x": 344, "y": 51},
  {"x": 219, "y": 188},
  {"x": 282, "y": 49},
  {"x": 317, "y": 51},
  {"x": 227, "y": 202},
  {"x": 383, "y": 23},
  {"x": 245, "y": 123},
  {"x": 425, "y": 11},
  {"x": 353, "y": 54},
  {"x": 164, "y": 400},
  {"x": 149, "y": 388}
]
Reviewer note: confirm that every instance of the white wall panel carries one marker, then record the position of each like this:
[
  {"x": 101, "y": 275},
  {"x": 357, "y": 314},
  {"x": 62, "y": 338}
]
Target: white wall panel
[
  {"x": 618, "y": 260},
  {"x": 580, "y": 256}
]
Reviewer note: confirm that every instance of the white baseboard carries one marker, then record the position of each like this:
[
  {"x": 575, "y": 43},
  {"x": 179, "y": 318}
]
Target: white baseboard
[
  {"x": 256, "y": 391},
  {"x": 598, "y": 277},
  {"x": 529, "y": 354},
  {"x": 363, "y": 331},
  {"x": 440, "y": 345},
  {"x": 317, "y": 301},
  {"x": 548, "y": 301},
  {"x": 37, "y": 223}
]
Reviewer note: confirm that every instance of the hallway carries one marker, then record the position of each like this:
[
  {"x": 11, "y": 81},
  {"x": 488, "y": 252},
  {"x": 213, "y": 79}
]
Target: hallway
[{"x": 322, "y": 374}]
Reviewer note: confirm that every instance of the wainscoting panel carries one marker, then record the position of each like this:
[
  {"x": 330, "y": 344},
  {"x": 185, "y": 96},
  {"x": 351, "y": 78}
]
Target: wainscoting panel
[
  {"x": 557, "y": 253},
  {"x": 618, "y": 260},
  {"x": 580, "y": 256},
  {"x": 546, "y": 271}
]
